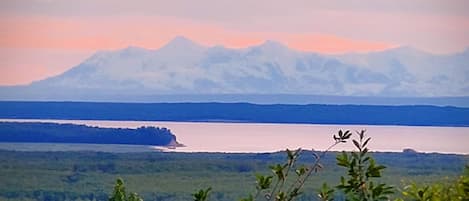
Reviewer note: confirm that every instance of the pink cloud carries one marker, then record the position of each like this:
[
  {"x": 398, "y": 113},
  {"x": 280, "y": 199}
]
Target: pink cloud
[
  {"x": 148, "y": 32},
  {"x": 24, "y": 65},
  {"x": 34, "y": 48}
]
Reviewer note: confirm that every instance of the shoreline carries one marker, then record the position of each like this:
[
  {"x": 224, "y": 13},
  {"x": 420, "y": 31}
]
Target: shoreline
[
  {"x": 250, "y": 137},
  {"x": 128, "y": 148}
]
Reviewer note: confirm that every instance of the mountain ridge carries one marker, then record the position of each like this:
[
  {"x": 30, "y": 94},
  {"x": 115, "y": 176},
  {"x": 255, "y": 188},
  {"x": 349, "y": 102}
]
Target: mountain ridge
[{"x": 186, "y": 67}]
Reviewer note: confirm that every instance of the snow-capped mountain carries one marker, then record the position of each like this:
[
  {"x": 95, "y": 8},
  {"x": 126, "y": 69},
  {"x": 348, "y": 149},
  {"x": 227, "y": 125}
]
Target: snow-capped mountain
[
  {"x": 184, "y": 67},
  {"x": 417, "y": 72}
]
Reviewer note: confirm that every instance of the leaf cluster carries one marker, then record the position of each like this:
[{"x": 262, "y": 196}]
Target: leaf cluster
[
  {"x": 457, "y": 190},
  {"x": 119, "y": 193},
  {"x": 358, "y": 185},
  {"x": 202, "y": 194},
  {"x": 281, "y": 185}
]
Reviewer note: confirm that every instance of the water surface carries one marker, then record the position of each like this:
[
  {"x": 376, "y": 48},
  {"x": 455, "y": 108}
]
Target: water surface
[{"x": 256, "y": 137}]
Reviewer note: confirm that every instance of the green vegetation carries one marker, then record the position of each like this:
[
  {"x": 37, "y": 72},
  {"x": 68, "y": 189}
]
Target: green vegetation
[
  {"x": 361, "y": 170},
  {"x": 285, "y": 189},
  {"x": 357, "y": 186},
  {"x": 454, "y": 189},
  {"x": 202, "y": 195},
  {"x": 119, "y": 193},
  {"x": 73, "y": 133},
  {"x": 176, "y": 176}
]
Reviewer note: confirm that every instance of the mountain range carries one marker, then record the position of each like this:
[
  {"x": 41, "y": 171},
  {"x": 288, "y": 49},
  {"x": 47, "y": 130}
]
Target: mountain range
[{"x": 183, "y": 67}]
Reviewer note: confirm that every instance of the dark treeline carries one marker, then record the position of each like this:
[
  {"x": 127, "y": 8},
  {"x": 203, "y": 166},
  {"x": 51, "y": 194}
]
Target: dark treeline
[
  {"x": 72, "y": 133},
  {"x": 240, "y": 112}
]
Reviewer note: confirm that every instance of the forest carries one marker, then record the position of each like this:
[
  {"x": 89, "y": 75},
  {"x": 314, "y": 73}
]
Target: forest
[
  {"x": 73, "y": 133},
  {"x": 161, "y": 176}
]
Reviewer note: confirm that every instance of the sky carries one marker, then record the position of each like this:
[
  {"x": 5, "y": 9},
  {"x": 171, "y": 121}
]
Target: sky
[{"x": 43, "y": 38}]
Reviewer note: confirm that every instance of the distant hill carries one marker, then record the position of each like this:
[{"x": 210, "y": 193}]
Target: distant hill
[
  {"x": 183, "y": 67},
  {"x": 72, "y": 133},
  {"x": 240, "y": 112}
]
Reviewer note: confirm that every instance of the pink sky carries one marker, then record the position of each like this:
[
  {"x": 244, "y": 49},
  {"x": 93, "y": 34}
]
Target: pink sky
[{"x": 42, "y": 38}]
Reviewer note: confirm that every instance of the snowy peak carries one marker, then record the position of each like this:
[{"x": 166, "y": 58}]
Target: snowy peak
[
  {"x": 133, "y": 51},
  {"x": 270, "y": 44},
  {"x": 181, "y": 43},
  {"x": 271, "y": 50},
  {"x": 406, "y": 51},
  {"x": 183, "y": 66},
  {"x": 180, "y": 40}
]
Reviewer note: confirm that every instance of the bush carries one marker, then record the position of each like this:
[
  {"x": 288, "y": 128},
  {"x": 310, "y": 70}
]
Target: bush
[{"x": 457, "y": 190}]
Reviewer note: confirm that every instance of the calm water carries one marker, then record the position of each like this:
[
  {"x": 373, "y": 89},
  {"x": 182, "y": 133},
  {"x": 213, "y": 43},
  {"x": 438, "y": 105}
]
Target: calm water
[{"x": 254, "y": 137}]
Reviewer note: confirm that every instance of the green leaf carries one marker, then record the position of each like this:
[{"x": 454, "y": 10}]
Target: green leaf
[
  {"x": 361, "y": 134},
  {"x": 202, "y": 194},
  {"x": 301, "y": 171},
  {"x": 342, "y": 159},
  {"x": 250, "y": 198},
  {"x": 363, "y": 153},
  {"x": 281, "y": 196},
  {"x": 366, "y": 142},
  {"x": 263, "y": 182},
  {"x": 356, "y": 144}
]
